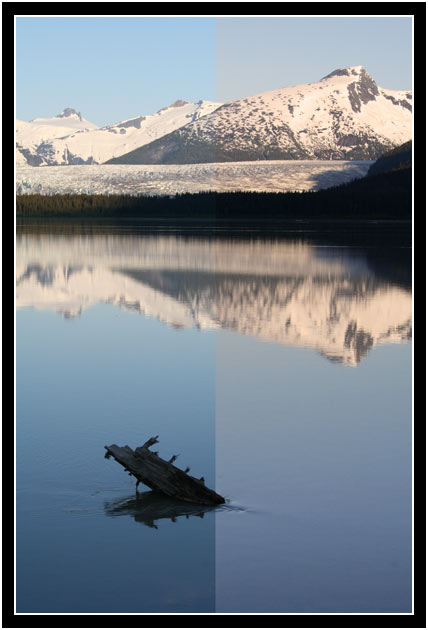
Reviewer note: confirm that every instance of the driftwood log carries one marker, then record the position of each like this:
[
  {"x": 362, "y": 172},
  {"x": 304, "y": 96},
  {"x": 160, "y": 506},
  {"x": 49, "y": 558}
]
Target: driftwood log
[{"x": 161, "y": 475}]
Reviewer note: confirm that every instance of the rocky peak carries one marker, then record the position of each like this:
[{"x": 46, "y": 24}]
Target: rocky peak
[
  {"x": 362, "y": 91},
  {"x": 178, "y": 103},
  {"x": 350, "y": 71},
  {"x": 69, "y": 111}
]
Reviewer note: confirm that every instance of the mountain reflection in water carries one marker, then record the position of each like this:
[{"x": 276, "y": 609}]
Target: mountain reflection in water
[{"x": 329, "y": 299}]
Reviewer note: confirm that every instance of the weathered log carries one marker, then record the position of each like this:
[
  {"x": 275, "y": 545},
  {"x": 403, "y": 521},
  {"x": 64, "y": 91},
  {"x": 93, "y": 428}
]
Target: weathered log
[{"x": 161, "y": 475}]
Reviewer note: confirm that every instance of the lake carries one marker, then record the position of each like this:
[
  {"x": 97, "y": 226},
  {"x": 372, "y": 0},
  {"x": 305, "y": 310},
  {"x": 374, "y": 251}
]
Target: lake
[{"x": 277, "y": 364}]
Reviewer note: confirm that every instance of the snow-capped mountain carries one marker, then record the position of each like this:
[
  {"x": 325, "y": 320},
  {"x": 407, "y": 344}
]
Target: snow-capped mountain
[
  {"x": 344, "y": 116},
  {"x": 85, "y": 143},
  {"x": 31, "y": 137},
  {"x": 287, "y": 293}
]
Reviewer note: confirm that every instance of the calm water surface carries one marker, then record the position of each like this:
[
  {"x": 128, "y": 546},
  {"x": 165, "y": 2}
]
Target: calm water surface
[{"x": 278, "y": 367}]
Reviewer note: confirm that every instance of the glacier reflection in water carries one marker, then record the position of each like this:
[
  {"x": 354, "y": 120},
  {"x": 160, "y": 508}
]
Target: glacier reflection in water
[{"x": 292, "y": 293}]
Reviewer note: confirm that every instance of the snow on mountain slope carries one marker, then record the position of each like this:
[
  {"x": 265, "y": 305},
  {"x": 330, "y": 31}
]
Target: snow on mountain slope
[
  {"x": 345, "y": 115},
  {"x": 273, "y": 176},
  {"x": 97, "y": 145},
  {"x": 40, "y": 131},
  {"x": 68, "y": 118},
  {"x": 289, "y": 293}
]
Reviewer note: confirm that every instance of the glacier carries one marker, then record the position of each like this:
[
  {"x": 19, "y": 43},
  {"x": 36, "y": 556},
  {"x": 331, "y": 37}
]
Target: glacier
[{"x": 262, "y": 176}]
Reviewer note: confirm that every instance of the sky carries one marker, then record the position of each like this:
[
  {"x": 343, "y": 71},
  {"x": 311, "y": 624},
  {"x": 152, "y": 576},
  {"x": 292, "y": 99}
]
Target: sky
[{"x": 115, "y": 68}]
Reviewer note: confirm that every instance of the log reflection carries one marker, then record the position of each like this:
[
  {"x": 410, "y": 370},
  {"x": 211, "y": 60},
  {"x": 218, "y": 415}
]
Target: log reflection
[{"x": 149, "y": 507}]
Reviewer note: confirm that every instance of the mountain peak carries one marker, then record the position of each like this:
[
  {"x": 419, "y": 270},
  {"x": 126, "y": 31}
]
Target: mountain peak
[
  {"x": 349, "y": 71},
  {"x": 179, "y": 103},
  {"x": 67, "y": 112},
  {"x": 361, "y": 87}
]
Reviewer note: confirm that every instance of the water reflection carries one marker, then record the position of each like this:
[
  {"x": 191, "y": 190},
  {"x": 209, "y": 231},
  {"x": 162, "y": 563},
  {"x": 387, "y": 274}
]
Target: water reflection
[
  {"x": 320, "y": 457},
  {"x": 333, "y": 300},
  {"x": 150, "y": 507}
]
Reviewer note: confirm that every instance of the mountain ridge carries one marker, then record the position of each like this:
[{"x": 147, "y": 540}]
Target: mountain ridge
[
  {"x": 69, "y": 139},
  {"x": 345, "y": 115}
]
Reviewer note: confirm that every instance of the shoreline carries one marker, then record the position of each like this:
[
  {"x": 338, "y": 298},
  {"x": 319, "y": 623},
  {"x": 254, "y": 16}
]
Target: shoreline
[{"x": 384, "y": 196}]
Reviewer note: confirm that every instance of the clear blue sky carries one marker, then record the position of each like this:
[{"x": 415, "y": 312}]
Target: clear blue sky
[{"x": 115, "y": 68}]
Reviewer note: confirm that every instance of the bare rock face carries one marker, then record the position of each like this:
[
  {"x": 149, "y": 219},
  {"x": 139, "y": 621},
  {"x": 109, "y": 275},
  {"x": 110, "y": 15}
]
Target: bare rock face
[
  {"x": 362, "y": 91},
  {"x": 69, "y": 111},
  {"x": 179, "y": 103}
]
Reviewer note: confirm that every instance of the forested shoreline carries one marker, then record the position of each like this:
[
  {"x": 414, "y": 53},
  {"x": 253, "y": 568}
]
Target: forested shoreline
[{"x": 381, "y": 196}]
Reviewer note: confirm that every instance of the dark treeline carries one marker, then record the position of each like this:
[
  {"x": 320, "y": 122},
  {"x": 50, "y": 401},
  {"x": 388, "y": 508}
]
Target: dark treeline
[
  {"x": 382, "y": 196},
  {"x": 398, "y": 158}
]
